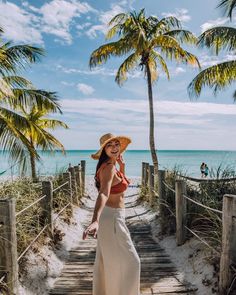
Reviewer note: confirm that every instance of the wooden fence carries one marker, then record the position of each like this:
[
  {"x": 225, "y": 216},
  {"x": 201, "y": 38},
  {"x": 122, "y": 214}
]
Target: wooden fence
[
  {"x": 227, "y": 274},
  {"x": 74, "y": 186}
]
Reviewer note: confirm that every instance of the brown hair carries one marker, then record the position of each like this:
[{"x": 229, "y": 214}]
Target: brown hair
[{"x": 102, "y": 159}]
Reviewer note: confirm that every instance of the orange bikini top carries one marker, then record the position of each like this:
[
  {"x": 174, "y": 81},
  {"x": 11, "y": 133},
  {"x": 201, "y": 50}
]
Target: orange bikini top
[{"x": 119, "y": 187}]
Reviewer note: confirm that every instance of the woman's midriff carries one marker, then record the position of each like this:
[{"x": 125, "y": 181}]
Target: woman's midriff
[{"x": 116, "y": 201}]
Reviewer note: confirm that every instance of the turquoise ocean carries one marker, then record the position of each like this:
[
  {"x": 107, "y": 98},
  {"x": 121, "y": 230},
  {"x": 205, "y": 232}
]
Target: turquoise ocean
[{"x": 187, "y": 160}]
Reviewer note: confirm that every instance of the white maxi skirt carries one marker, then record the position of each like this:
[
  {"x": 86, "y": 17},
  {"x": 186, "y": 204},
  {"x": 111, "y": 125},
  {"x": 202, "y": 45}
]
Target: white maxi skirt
[{"x": 117, "y": 264}]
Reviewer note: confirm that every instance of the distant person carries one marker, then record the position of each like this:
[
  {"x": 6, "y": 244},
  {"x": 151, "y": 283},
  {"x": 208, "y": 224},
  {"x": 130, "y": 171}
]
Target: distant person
[
  {"x": 206, "y": 170},
  {"x": 202, "y": 169}
]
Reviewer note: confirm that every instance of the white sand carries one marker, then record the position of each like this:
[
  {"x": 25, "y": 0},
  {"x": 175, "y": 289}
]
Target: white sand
[{"x": 46, "y": 265}]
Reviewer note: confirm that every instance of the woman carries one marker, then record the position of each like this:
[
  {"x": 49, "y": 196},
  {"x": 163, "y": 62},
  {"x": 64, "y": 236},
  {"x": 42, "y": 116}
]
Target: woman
[{"x": 117, "y": 264}]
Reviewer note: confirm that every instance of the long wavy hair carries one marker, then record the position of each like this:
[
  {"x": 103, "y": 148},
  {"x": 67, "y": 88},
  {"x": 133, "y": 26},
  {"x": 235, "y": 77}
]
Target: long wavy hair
[{"x": 103, "y": 158}]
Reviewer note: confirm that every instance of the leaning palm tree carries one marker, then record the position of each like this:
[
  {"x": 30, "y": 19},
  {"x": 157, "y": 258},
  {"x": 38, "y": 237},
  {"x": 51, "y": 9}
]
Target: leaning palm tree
[
  {"x": 147, "y": 41},
  {"x": 218, "y": 39},
  {"x": 38, "y": 135},
  {"x": 16, "y": 91}
]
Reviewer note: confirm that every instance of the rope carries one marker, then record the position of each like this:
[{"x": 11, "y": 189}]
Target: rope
[
  {"x": 2, "y": 278},
  {"x": 203, "y": 241},
  {"x": 170, "y": 188},
  {"x": 204, "y": 206},
  {"x": 59, "y": 213},
  {"x": 23, "y": 253},
  {"x": 13, "y": 165},
  {"x": 207, "y": 180},
  {"x": 57, "y": 188},
  {"x": 26, "y": 208}
]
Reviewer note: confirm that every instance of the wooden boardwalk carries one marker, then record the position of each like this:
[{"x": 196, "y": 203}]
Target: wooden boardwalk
[{"x": 158, "y": 274}]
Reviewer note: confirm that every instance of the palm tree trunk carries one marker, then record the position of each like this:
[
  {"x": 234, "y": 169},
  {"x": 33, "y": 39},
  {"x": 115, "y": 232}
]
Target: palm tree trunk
[
  {"x": 32, "y": 163},
  {"x": 151, "y": 128}
]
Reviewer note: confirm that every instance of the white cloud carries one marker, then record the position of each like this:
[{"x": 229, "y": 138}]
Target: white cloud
[
  {"x": 104, "y": 18},
  {"x": 85, "y": 88},
  {"x": 57, "y": 16},
  {"x": 207, "y": 61},
  {"x": 97, "y": 71},
  {"x": 214, "y": 23},
  {"x": 27, "y": 24},
  {"x": 18, "y": 24},
  {"x": 181, "y": 14},
  {"x": 171, "y": 111}
]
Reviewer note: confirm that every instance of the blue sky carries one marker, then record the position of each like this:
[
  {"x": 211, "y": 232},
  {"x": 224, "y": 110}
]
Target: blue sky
[{"x": 92, "y": 103}]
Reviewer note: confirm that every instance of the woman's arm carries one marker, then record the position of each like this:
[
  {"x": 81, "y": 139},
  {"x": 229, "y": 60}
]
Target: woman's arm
[
  {"x": 106, "y": 177},
  {"x": 121, "y": 163}
]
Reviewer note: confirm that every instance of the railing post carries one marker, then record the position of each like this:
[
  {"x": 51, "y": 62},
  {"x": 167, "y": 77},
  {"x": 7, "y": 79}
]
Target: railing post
[
  {"x": 83, "y": 165},
  {"x": 151, "y": 183},
  {"x": 180, "y": 203},
  {"x": 146, "y": 170},
  {"x": 228, "y": 255},
  {"x": 162, "y": 198},
  {"x": 67, "y": 177},
  {"x": 74, "y": 185},
  {"x": 8, "y": 244},
  {"x": 143, "y": 173},
  {"x": 47, "y": 204},
  {"x": 79, "y": 180}
]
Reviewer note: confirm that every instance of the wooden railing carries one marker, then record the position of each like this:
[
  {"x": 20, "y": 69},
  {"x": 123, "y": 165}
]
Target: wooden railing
[
  {"x": 227, "y": 274},
  {"x": 73, "y": 185}
]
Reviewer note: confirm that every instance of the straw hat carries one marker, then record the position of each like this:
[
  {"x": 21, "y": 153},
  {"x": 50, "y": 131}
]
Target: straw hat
[{"x": 124, "y": 141}]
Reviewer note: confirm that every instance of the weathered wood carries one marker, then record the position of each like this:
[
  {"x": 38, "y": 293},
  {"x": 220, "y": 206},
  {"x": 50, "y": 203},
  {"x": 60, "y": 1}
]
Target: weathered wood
[
  {"x": 74, "y": 185},
  {"x": 180, "y": 203},
  {"x": 68, "y": 187},
  {"x": 151, "y": 183},
  {"x": 79, "y": 181},
  {"x": 228, "y": 242},
  {"x": 143, "y": 173},
  {"x": 83, "y": 165},
  {"x": 146, "y": 172},
  {"x": 47, "y": 205},
  {"x": 162, "y": 199},
  {"x": 8, "y": 244}
]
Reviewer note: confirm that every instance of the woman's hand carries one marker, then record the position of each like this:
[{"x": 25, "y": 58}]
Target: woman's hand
[
  {"x": 120, "y": 160},
  {"x": 91, "y": 229}
]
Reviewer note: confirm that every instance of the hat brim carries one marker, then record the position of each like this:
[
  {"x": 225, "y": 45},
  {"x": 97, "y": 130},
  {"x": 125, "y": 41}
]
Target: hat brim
[{"x": 124, "y": 142}]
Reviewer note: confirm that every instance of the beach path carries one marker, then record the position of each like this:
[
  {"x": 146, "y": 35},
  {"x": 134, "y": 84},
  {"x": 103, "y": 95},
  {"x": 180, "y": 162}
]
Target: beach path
[{"x": 158, "y": 274}]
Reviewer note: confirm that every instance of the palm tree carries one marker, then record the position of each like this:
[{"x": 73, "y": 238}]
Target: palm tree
[
  {"x": 37, "y": 134},
  {"x": 146, "y": 41},
  {"x": 223, "y": 74},
  {"x": 16, "y": 91},
  {"x": 228, "y": 6}
]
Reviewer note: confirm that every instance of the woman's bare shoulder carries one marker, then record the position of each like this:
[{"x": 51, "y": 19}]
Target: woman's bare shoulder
[{"x": 109, "y": 168}]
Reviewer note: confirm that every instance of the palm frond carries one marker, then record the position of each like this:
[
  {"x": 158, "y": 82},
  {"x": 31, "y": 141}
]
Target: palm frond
[
  {"x": 216, "y": 77},
  {"x": 52, "y": 123},
  {"x": 118, "y": 19},
  {"x": 219, "y": 38},
  {"x": 234, "y": 96},
  {"x": 183, "y": 36},
  {"x": 17, "y": 81},
  {"x": 164, "y": 25},
  {"x": 228, "y": 7},
  {"x": 113, "y": 31},
  {"x": 17, "y": 57},
  {"x": 155, "y": 55},
  {"x": 5, "y": 89},
  {"x": 28, "y": 97},
  {"x": 104, "y": 52},
  {"x": 129, "y": 63}
]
